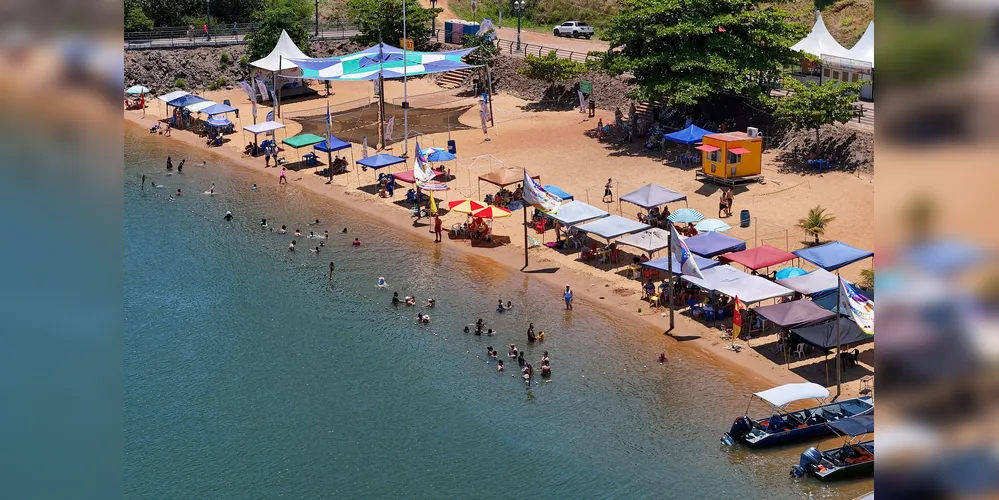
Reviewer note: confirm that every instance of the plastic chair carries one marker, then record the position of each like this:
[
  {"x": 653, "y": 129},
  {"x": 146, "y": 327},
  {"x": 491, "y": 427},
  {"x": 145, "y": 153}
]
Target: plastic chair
[
  {"x": 799, "y": 350},
  {"x": 709, "y": 314},
  {"x": 654, "y": 301}
]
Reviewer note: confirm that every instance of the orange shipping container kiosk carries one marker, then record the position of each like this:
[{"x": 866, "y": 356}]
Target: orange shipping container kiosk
[{"x": 732, "y": 157}]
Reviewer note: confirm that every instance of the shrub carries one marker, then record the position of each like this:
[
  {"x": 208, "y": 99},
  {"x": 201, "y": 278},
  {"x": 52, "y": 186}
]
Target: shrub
[
  {"x": 179, "y": 83},
  {"x": 224, "y": 59},
  {"x": 244, "y": 61}
]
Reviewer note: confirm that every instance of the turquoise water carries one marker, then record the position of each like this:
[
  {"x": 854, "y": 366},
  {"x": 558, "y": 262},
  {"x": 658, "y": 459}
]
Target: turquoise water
[{"x": 249, "y": 375}]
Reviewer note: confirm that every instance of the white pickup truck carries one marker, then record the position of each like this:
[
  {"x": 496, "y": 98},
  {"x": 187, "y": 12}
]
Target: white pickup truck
[{"x": 574, "y": 29}]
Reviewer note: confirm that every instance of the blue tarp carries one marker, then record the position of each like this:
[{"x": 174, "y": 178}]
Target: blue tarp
[
  {"x": 185, "y": 100},
  {"x": 660, "y": 264},
  {"x": 558, "y": 192},
  {"x": 575, "y": 212},
  {"x": 333, "y": 144},
  {"x": 713, "y": 243},
  {"x": 833, "y": 255},
  {"x": 690, "y": 135},
  {"x": 217, "y": 109},
  {"x": 652, "y": 195},
  {"x": 612, "y": 226},
  {"x": 380, "y": 160}
]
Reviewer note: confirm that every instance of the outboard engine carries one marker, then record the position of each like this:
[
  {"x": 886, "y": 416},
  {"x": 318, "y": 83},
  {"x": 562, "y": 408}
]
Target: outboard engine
[
  {"x": 740, "y": 427},
  {"x": 810, "y": 458}
]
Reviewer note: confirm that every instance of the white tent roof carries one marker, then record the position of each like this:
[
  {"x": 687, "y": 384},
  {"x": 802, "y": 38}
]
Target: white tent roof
[
  {"x": 864, "y": 49},
  {"x": 730, "y": 281},
  {"x": 278, "y": 58},
  {"x": 173, "y": 95},
  {"x": 650, "y": 240},
  {"x": 816, "y": 281},
  {"x": 820, "y": 42},
  {"x": 780, "y": 396},
  {"x": 575, "y": 212},
  {"x": 198, "y": 106},
  {"x": 263, "y": 127}
]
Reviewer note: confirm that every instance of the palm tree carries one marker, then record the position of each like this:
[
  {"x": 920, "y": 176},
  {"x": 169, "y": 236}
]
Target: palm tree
[
  {"x": 815, "y": 222},
  {"x": 867, "y": 278}
]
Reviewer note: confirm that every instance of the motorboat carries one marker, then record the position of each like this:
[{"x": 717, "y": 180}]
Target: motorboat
[
  {"x": 783, "y": 426},
  {"x": 854, "y": 459}
]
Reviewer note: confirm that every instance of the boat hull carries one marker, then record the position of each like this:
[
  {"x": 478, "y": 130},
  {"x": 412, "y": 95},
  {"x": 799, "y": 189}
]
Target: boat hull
[{"x": 758, "y": 438}]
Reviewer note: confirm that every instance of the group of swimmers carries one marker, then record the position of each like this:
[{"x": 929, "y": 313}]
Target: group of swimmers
[{"x": 526, "y": 369}]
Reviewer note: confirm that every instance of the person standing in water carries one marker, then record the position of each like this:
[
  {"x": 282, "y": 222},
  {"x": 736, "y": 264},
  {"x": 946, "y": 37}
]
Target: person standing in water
[
  {"x": 143, "y": 182},
  {"x": 331, "y": 272},
  {"x": 169, "y": 163},
  {"x": 530, "y": 333},
  {"x": 180, "y": 166},
  {"x": 568, "y": 298},
  {"x": 228, "y": 216}
]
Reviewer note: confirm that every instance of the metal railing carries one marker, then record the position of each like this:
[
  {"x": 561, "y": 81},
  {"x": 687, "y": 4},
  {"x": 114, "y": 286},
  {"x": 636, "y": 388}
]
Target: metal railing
[
  {"x": 222, "y": 35},
  {"x": 509, "y": 46}
]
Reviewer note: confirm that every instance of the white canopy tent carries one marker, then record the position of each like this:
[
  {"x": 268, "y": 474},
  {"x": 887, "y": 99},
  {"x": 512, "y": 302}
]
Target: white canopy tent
[
  {"x": 198, "y": 106},
  {"x": 173, "y": 95},
  {"x": 730, "y": 281},
  {"x": 260, "y": 128},
  {"x": 864, "y": 48},
  {"x": 819, "y": 42},
  {"x": 278, "y": 58}
]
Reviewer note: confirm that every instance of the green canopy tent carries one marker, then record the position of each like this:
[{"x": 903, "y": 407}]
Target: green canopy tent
[{"x": 301, "y": 141}]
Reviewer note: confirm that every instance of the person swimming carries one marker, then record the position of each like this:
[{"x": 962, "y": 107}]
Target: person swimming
[
  {"x": 541, "y": 335},
  {"x": 490, "y": 332},
  {"x": 500, "y": 308},
  {"x": 512, "y": 353},
  {"x": 478, "y": 326},
  {"x": 344, "y": 230},
  {"x": 228, "y": 215},
  {"x": 520, "y": 359},
  {"x": 321, "y": 244},
  {"x": 356, "y": 242},
  {"x": 410, "y": 301},
  {"x": 291, "y": 247},
  {"x": 395, "y": 298},
  {"x": 315, "y": 250},
  {"x": 171, "y": 197},
  {"x": 326, "y": 234},
  {"x": 211, "y": 190},
  {"x": 179, "y": 192},
  {"x": 312, "y": 235},
  {"x": 499, "y": 366},
  {"x": 424, "y": 318},
  {"x": 254, "y": 187},
  {"x": 282, "y": 230},
  {"x": 314, "y": 223},
  {"x": 430, "y": 303},
  {"x": 381, "y": 284},
  {"x": 263, "y": 222},
  {"x": 509, "y": 305},
  {"x": 467, "y": 329},
  {"x": 298, "y": 233},
  {"x": 494, "y": 354},
  {"x": 180, "y": 166}
]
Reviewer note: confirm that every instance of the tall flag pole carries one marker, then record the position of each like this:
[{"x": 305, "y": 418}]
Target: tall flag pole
[
  {"x": 536, "y": 196},
  {"x": 669, "y": 275},
  {"x": 329, "y": 139}
]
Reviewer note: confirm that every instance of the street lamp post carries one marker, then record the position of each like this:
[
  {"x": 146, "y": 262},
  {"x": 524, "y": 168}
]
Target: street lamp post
[
  {"x": 317, "y": 18},
  {"x": 518, "y": 7},
  {"x": 208, "y": 15},
  {"x": 433, "y": 22}
]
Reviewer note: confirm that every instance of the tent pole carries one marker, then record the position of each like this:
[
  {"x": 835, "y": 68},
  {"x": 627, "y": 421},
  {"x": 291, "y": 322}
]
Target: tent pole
[
  {"x": 489, "y": 88},
  {"x": 669, "y": 273},
  {"x": 524, "y": 208},
  {"x": 839, "y": 357},
  {"x": 277, "y": 90},
  {"x": 405, "y": 95}
]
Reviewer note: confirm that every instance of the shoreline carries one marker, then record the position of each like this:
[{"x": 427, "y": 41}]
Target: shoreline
[{"x": 746, "y": 365}]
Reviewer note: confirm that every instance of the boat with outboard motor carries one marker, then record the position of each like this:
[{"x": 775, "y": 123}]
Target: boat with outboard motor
[
  {"x": 784, "y": 426},
  {"x": 853, "y": 459}
]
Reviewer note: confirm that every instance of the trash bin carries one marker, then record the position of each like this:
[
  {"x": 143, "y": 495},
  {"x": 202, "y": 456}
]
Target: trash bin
[
  {"x": 744, "y": 218},
  {"x": 451, "y": 147}
]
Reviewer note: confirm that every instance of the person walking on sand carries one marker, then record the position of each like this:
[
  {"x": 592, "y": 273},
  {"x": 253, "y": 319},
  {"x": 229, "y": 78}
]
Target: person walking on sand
[
  {"x": 331, "y": 272},
  {"x": 729, "y": 199},
  {"x": 437, "y": 229},
  {"x": 608, "y": 195},
  {"x": 722, "y": 204},
  {"x": 283, "y": 179},
  {"x": 568, "y": 298}
]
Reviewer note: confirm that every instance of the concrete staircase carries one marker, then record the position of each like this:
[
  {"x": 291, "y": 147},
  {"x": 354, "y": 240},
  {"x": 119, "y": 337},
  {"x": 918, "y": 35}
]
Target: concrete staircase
[{"x": 454, "y": 79}]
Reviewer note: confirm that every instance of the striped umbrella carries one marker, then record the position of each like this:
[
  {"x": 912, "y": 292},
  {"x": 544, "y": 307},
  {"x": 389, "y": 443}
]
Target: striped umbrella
[
  {"x": 708, "y": 225},
  {"x": 491, "y": 212},
  {"x": 789, "y": 272},
  {"x": 219, "y": 121},
  {"x": 136, "y": 90},
  {"x": 465, "y": 206},
  {"x": 685, "y": 215},
  {"x": 433, "y": 186}
]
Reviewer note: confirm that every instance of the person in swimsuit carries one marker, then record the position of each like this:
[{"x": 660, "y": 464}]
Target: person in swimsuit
[
  {"x": 344, "y": 230},
  {"x": 608, "y": 196},
  {"x": 169, "y": 163},
  {"x": 298, "y": 233},
  {"x": 722, "y": 204},
  {"x": 509, "y": 305},
  {"x": 520, "y": 359},
  {"x": 530, "y": 333},
  {"x": 228, "y": 216},
  {"x": 467, "y": 329},
  {"x": 729, "y": 199},
  {"x": 568, "y": 298},
  {"x": 211, "y": 190},
  {"x": 326, "y": 234},
  {"x": 430, "y": 303},
  {"x": 544, "y": 358},
  {"x": 662, "y": 357},
  {"x": 499, "y": 307},
  {"x": 546, "y": 370},
  {"x": 512, "y": 353},
  {"x": 282, "y": 179},
  {"x": 331, "y": 271},
  {"x": 180, "y": 166},
  {"x": 291, "y": 247},
  {"x": 254, "y": 188},
  {"x": 179, "y": 192},
  {"x": 395, "y": 298},
  {"x": 356, "y": 242},
  {"x": 478, "y": 326},
  {"x": 499, "y": 366},
  {"x": 283, "y": 229}
]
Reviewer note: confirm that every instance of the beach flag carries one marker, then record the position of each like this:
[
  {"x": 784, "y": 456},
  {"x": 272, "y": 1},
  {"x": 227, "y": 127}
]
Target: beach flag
[
  {"x": 262, "y": 87},
  {"x": 364, "y": 147},
  {"x": 582, "y": 101},
  {"x": 253, "y": 108},
  {"x": 682, "y": 255},
  {"x": 250, "y": 92},
  {"x": 389, "y": 128},
  {"x": 737, "y": 318},
  {"x": 536, "y": 195},
  {"x": 329, "y": 124},
  {"x": 421, "y": 169},
  {"x": 270, "y": 115},
  {"x": 859, "y": 307},
  {"x": 433, "y": 204}
]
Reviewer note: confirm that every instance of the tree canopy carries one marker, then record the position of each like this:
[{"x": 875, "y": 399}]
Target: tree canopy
[
  {"x": 384, "y": 17},
  {"x": 486, "y": 49},
  {"x": 136, "y": 20},
  {"x": 551, "y": 68},
  {"x": 683, "y": 53},
  {"x": 809, "y": 106},
  {"x": 270, "y": 22}
]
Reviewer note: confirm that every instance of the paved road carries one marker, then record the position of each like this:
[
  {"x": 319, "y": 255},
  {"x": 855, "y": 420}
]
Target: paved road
[{"x": 548, "y": 40}]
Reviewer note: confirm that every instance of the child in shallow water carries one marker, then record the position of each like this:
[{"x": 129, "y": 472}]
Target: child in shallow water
[{"x": 499, "y": 366}]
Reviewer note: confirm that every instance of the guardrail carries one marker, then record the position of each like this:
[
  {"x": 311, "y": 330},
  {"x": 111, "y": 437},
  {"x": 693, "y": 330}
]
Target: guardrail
[
  {"x": 509, "y": 47},
  {"x": 217, "y": 36}
]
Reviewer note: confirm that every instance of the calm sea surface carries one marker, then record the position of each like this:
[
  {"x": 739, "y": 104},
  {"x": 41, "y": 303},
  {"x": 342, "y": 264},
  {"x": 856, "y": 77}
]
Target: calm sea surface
[{"x": 249, "y": 375}]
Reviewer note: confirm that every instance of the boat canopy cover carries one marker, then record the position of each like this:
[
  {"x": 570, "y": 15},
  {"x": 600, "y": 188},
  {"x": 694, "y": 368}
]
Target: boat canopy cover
[
  {"x": 854, "y": 426},
  {"x": 782, "y": 395}
]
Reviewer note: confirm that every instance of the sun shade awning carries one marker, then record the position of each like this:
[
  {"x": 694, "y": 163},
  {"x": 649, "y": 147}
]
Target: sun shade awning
[
  {"x": 690, "y": 135},
  {"x": 218, "y": 109},
  {"x": 558, "y": 192},
  {"x": 833, "y": 255},
  {"x": 200, "y": 107},
  {"x": 185, "y": 101},
  {"x": 261, "y": 128},
  {"x": 303, "y": 140},
  {"x": 707, "y": 147},
  {"x": 506, "y": 176},
  {"x": 730, "y": 281},
  {"x": 812, "y": 283},
  {"x": 380, "y": 160},
  {"x": 576, "y": 212},
  {"x": 854, "y": 426},
  {"x": 788, "y": 393},
  {"x": 409, "y": 176},
  {"x": 713, "y": 243},
  {"x": 823, "y": 335},
  {"x": 612, "y": 226},
  {"x": 173, "y": 95},
  {"x": 650, "y": 240},
  {"x": 660, "y": 264},
  {"x": 652, "y": 195},
  {"x": 738, "y": 151},
  {"x": 333, "y": 144},
  {"x": 759, "y": 257},
  {"x": 795, "y": 314},
  {"x": 391, "y": 61}
]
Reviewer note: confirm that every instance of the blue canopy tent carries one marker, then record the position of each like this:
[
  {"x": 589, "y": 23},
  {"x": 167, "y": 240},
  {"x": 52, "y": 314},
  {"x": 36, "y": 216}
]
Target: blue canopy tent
[
  {"x": 330, "y": 145},
  {"x": 827, "y": 299},
  {"x": 184, "y": 101},
  {"x": 380, "y": 160},
  {"x": 690, "y": 135},
  {"x": 612, "y": 226},
  {"x": 558, "y": 192},
  {"x": 713, "y": 243},
  {"x": 576, "y": 212},
  {"x": 218, "y": 109},
  {"x": 660, "y": 264},
  {"x": 833, "y": 255}
]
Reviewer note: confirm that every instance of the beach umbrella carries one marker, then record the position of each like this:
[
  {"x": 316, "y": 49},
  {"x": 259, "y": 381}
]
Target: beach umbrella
[
  {"x": 136, "y": 90},
  {"x": 685, "y": 215},
  {"x": 434, "y": 186},
  {"x": 789, "y": 272},
  {"x": 465, "y": 206},
  {"x": 708, "y": 225},
  {"x": 219, "y": 121},
  {"x": 438, "y": 155},
  {"x": 491, "y": 212}
]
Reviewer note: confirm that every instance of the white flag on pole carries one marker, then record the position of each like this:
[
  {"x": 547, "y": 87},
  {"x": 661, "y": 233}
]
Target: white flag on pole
[
  {"x": 364, "y": 147},
  {"x": 389, "y": 128},
  {"x": 682, "y": 255},
  {"x": 536, "y": 195},
  {"x": 860, "y": 308},
  {"x": 262, "y": 88},
  {"x": 582, "y": 101}
]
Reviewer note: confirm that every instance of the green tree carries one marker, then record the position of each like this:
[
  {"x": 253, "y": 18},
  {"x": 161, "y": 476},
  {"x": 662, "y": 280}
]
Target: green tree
[
  {"x": 867, "y": 278},
  {"x": 383, "y": 18},
  {"x": 814, "y": 224},
  {"x": 683, "y": 53},
  {"x": 136, "y": 20},
  {"x": 551, "y": 69},
  {"x": 485, "y": 49},
  {"x": 809, "y": 106},
  {"x": 270, "y": 22}
]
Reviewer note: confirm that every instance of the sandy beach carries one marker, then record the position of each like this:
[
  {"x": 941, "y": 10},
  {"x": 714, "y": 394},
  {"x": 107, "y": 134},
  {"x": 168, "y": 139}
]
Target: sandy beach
[{"x": 558, "y": 147}]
